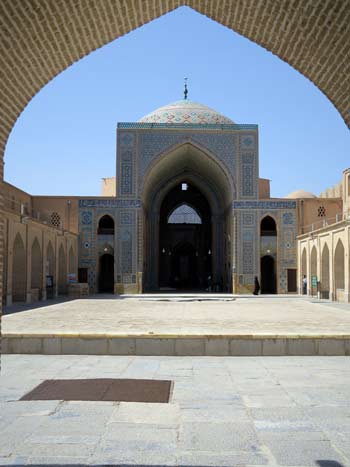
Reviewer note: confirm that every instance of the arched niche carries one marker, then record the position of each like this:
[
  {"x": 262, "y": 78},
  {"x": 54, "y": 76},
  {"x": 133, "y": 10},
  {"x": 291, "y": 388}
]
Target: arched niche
[
  {"x": 339, "y": 269},
  {"x": 268, "y": 227},
  {"x": 313, "y": 269},
  {"x": 71, "y": 261},
  {"x": 304, "y": 271},
  {"x": 187, "y": 163},
  {"x": 105, "y": 225},
  {"x": 268, "y": 255},
  {"x": 36, "y": 265},
  {"x": 62, "y": 271},
  {"x": 19, "y": 270},
  {"x": 50, "y": 260},
  {"x": 325, "y": 272}
]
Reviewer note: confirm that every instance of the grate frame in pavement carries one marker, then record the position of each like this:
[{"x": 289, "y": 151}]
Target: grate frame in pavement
[{"x": 102, "y": 389}]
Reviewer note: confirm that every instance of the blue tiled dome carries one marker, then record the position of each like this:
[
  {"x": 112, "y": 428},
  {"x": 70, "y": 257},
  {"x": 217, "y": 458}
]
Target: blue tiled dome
[{"x": 186, "y": 111}]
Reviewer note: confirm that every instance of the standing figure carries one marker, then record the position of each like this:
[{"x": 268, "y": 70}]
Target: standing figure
[
  {"x": 256, "y": 286},
  {"x": 304, "y": 285}
]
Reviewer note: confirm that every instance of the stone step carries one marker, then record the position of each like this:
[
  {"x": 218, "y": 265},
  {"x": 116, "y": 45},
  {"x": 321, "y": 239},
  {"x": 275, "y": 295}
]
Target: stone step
[{"x": 177, "y": 345}]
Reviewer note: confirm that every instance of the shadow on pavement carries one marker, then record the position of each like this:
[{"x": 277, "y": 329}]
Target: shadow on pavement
[
  {"x": 328, "y": 463},
  {"x": 321, "y": 463}
]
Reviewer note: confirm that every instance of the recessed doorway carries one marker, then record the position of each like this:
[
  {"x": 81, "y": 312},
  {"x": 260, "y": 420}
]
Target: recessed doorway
[
  {"x": 185, "y": 239},
  {"x": 106, "y": 276},
  {"x": 268, "y": 275}
]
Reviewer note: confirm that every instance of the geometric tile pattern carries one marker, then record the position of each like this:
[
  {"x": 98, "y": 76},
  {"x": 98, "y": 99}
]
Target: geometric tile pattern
[{"x": 154, "y": 143}]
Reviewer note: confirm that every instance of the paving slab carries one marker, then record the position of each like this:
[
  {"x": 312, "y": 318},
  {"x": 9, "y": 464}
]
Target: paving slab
[{"x": 230, "y": 424}]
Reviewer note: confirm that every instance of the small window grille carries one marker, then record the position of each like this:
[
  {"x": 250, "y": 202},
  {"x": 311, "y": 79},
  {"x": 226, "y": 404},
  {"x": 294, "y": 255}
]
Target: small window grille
[
  {"x": 55, "y": 220},
  {"x": 321, "y": 211}
]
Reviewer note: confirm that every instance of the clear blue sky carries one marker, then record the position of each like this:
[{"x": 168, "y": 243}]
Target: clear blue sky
[{"x": 64, "y": 141}]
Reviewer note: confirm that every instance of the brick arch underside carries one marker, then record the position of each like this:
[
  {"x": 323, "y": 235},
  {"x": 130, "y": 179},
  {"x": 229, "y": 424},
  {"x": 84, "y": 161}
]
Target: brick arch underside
[{"x": 41, "y": 39}]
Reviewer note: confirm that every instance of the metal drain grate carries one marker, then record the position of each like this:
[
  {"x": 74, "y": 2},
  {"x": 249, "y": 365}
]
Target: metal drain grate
[{"x": 104, "y": 389}]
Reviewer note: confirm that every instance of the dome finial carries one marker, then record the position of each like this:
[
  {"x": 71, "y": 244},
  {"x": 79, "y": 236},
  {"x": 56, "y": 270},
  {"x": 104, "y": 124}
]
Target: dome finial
[{"x": 185, "y": 90}]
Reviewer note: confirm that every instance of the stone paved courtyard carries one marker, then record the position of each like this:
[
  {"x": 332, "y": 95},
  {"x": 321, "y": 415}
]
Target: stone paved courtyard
[
  {"x": 224, "y": 411},
  {"x": 101, "y": 315}
]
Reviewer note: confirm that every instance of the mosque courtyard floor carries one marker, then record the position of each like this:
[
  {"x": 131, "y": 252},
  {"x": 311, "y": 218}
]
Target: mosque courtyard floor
[
  {"x": 179, "y": 325},
  {"x": 224, "y": 411}
]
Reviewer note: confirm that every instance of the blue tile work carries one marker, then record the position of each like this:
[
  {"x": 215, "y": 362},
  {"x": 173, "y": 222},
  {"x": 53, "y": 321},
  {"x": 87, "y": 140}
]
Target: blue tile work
[
  {"x": 126, "y": 159},
  {"x": 264, "y": 204},
  {"x": 153, "y": 143},
  {"x": 247, "y": 248},
  {"x": 248, "y": 169},
  {"x": 249, "y": 242},
  {"x": 247, "y": 236},
  {"x": 90, "y": 212},
  {"x": 247, "y": 141},
  {"x": 86, "y": 218},
  {"x": 247, "y": 180},
  {"x": 288, "y": 218},
  {"x": 287, "y": 246},
  {"x": 109, "y": 203},
  {"x": 126, "y": 251},
  {"x": 285, "y": 249},
  {"x": 185, "y": 126},
  {"x": 248, "y": 219},
  {"x": 127, "y": 247}
]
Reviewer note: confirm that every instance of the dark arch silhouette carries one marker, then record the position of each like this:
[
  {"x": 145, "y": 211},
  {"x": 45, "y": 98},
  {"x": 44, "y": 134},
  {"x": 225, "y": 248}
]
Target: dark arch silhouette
[
  {"x": 106, "y": 225},
  {"x": 268, "y": 226}
]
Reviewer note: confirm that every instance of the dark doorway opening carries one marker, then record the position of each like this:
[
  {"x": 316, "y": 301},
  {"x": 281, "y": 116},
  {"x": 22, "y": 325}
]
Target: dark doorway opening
[
  {"x": 184, "y": 271},
  {"x": 106, "y": 277},
  {"x": 268, "y": 275},
  {"x": 83, "y": 275},
  {"x": 292, "y": 280},
  {"x": 185, "y": 250}
]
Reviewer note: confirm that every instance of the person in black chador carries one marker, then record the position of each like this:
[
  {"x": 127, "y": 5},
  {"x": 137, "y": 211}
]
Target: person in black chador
[{"x": 256, "y": 286}]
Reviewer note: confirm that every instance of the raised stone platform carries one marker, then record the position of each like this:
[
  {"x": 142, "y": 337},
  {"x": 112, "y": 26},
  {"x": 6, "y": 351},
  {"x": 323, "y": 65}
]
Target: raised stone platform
[{"x": 183, "y": 324}]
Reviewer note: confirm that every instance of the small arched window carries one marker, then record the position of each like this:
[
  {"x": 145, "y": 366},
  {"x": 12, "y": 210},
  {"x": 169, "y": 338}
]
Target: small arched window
[
  {"x": 106, "y": 226},
  {"x": 184, "y": 214},
  {"x": 268, "y": 227}
]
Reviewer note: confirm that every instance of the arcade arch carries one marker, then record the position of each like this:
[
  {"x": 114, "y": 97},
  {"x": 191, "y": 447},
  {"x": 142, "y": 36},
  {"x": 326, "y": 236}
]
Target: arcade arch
[
  {"x": 36, "y": 266},
  {"x": 62, "y": 271},
  {"x": 50, "y": 262},
  {"x": 325, "y": 272},
  {"x": 313, "y": 269},
  {"x": 71, "y": 261},
  {"x": 19, "y": 270},
  {"x": 303, "y": 272},
  {"x": 339, "y": 269}
]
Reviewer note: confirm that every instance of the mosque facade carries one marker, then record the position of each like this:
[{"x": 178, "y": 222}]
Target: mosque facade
[{"x": 186, "y": 211}]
